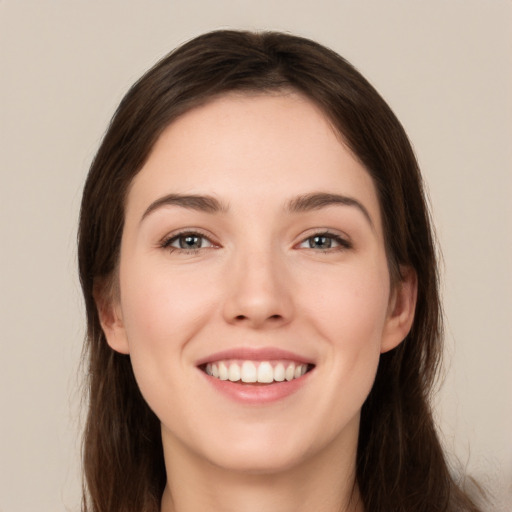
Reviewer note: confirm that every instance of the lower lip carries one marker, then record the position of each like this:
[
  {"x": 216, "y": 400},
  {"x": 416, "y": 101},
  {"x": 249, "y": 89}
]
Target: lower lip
[{"x": 257, "y": 393}]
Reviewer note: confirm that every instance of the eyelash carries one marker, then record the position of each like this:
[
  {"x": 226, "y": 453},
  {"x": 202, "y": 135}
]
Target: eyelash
[
  {"x": 166, "y": 242},
  {"x": 343, "y": 243}
]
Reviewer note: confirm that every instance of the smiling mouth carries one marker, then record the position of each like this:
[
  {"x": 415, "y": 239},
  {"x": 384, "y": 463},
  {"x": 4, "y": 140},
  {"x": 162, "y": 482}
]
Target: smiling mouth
[{"x": 256, "y": 372}]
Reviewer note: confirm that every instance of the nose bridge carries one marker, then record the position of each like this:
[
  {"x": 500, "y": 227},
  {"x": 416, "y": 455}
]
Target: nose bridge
[{"x": 258, "y": 293}]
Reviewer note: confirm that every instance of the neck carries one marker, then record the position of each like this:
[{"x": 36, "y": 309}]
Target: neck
[{"x": 326, "y": 483}]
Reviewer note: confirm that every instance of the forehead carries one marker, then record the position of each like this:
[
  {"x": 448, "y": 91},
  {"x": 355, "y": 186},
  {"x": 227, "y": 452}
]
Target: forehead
[{"x": 264, "y": 146}]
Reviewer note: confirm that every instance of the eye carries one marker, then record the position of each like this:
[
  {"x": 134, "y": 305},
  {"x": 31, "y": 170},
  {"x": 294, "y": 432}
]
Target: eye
[
  {"x": 188, "y": 242},
  {"x": 325, "y": 242}
]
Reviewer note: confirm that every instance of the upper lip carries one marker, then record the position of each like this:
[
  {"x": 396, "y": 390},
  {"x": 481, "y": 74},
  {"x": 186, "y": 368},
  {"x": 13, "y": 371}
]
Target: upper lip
[{"x": 254, "y": 354}]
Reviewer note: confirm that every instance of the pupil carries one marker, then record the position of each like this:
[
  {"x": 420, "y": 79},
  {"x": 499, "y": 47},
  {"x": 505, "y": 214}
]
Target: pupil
[
  {"x": 190, "y": 242},
  {"x": 321, "y": 242}
]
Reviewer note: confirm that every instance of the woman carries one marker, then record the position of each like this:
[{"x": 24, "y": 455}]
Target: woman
[{"x": 259, "y": 273}]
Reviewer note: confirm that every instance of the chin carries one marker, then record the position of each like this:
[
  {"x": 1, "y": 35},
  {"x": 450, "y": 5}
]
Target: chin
[
  {"x": 262, "y": 449},
  {"x": 258, "y": 461}
]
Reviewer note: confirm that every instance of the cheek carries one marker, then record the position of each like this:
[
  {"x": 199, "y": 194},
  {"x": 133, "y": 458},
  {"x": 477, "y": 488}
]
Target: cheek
[
  {"x": 350, "y": 314},
  {"x": 164, "y": 308},
  {"x": 161, "y": 313},
  {"x": 350, "y": 307}
]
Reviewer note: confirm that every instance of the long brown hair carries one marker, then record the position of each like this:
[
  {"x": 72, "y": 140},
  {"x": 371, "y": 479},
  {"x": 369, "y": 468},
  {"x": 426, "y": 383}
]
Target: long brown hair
[{"x": 400, "y": 463}]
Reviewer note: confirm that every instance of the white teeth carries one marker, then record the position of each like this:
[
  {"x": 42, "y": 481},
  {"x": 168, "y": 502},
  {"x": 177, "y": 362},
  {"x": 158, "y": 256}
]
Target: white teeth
[
  {"x": 248, "y": 372},
  {"x": 234, "y": 372},
  {"x": 279, "y": 372},
  {"x": 290, "y": 372},
  {"x": 264, "y": 372},
  {"x": 223, "y": 371}
]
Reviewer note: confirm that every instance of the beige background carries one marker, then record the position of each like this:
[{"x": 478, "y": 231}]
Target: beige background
[{"x": 445, "y": 67}]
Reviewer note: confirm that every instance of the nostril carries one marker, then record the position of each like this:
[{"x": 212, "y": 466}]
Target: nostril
[
  {"x": 272, "y": 317},
  {"x": 257, "y": 320}
]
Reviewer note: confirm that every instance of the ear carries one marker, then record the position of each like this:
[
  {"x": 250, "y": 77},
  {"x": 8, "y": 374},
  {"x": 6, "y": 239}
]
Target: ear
[
  {"x": 402, "y": 304},
  {"x": 111, "y": 317}
]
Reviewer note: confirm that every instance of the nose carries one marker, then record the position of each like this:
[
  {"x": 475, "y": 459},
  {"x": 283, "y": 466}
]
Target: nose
[{"x": 258, "y": 293}]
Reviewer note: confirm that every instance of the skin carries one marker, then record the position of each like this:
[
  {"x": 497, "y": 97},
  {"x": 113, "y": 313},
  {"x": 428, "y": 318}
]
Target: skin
[{"x": 257, "y": 280}]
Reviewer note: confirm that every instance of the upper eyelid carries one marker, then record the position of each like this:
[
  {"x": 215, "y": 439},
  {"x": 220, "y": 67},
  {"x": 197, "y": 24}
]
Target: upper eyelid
[
  {"x": 164, "y": 241},
  {"x": 326, "y": 232}
]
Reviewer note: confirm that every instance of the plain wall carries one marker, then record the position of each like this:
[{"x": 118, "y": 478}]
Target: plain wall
[{"x": 444, "y": 66}]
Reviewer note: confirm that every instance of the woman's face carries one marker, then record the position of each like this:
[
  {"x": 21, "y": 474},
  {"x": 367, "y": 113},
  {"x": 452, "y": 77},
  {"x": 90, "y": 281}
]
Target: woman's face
[{"x": 253, "y": 251}]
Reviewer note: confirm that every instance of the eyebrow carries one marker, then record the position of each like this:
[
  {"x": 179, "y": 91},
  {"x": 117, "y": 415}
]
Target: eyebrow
[
  {"x": 200, "y": 203},
  {"x": 303, "y": 203},
  {"x": 319, "y": 200}
]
